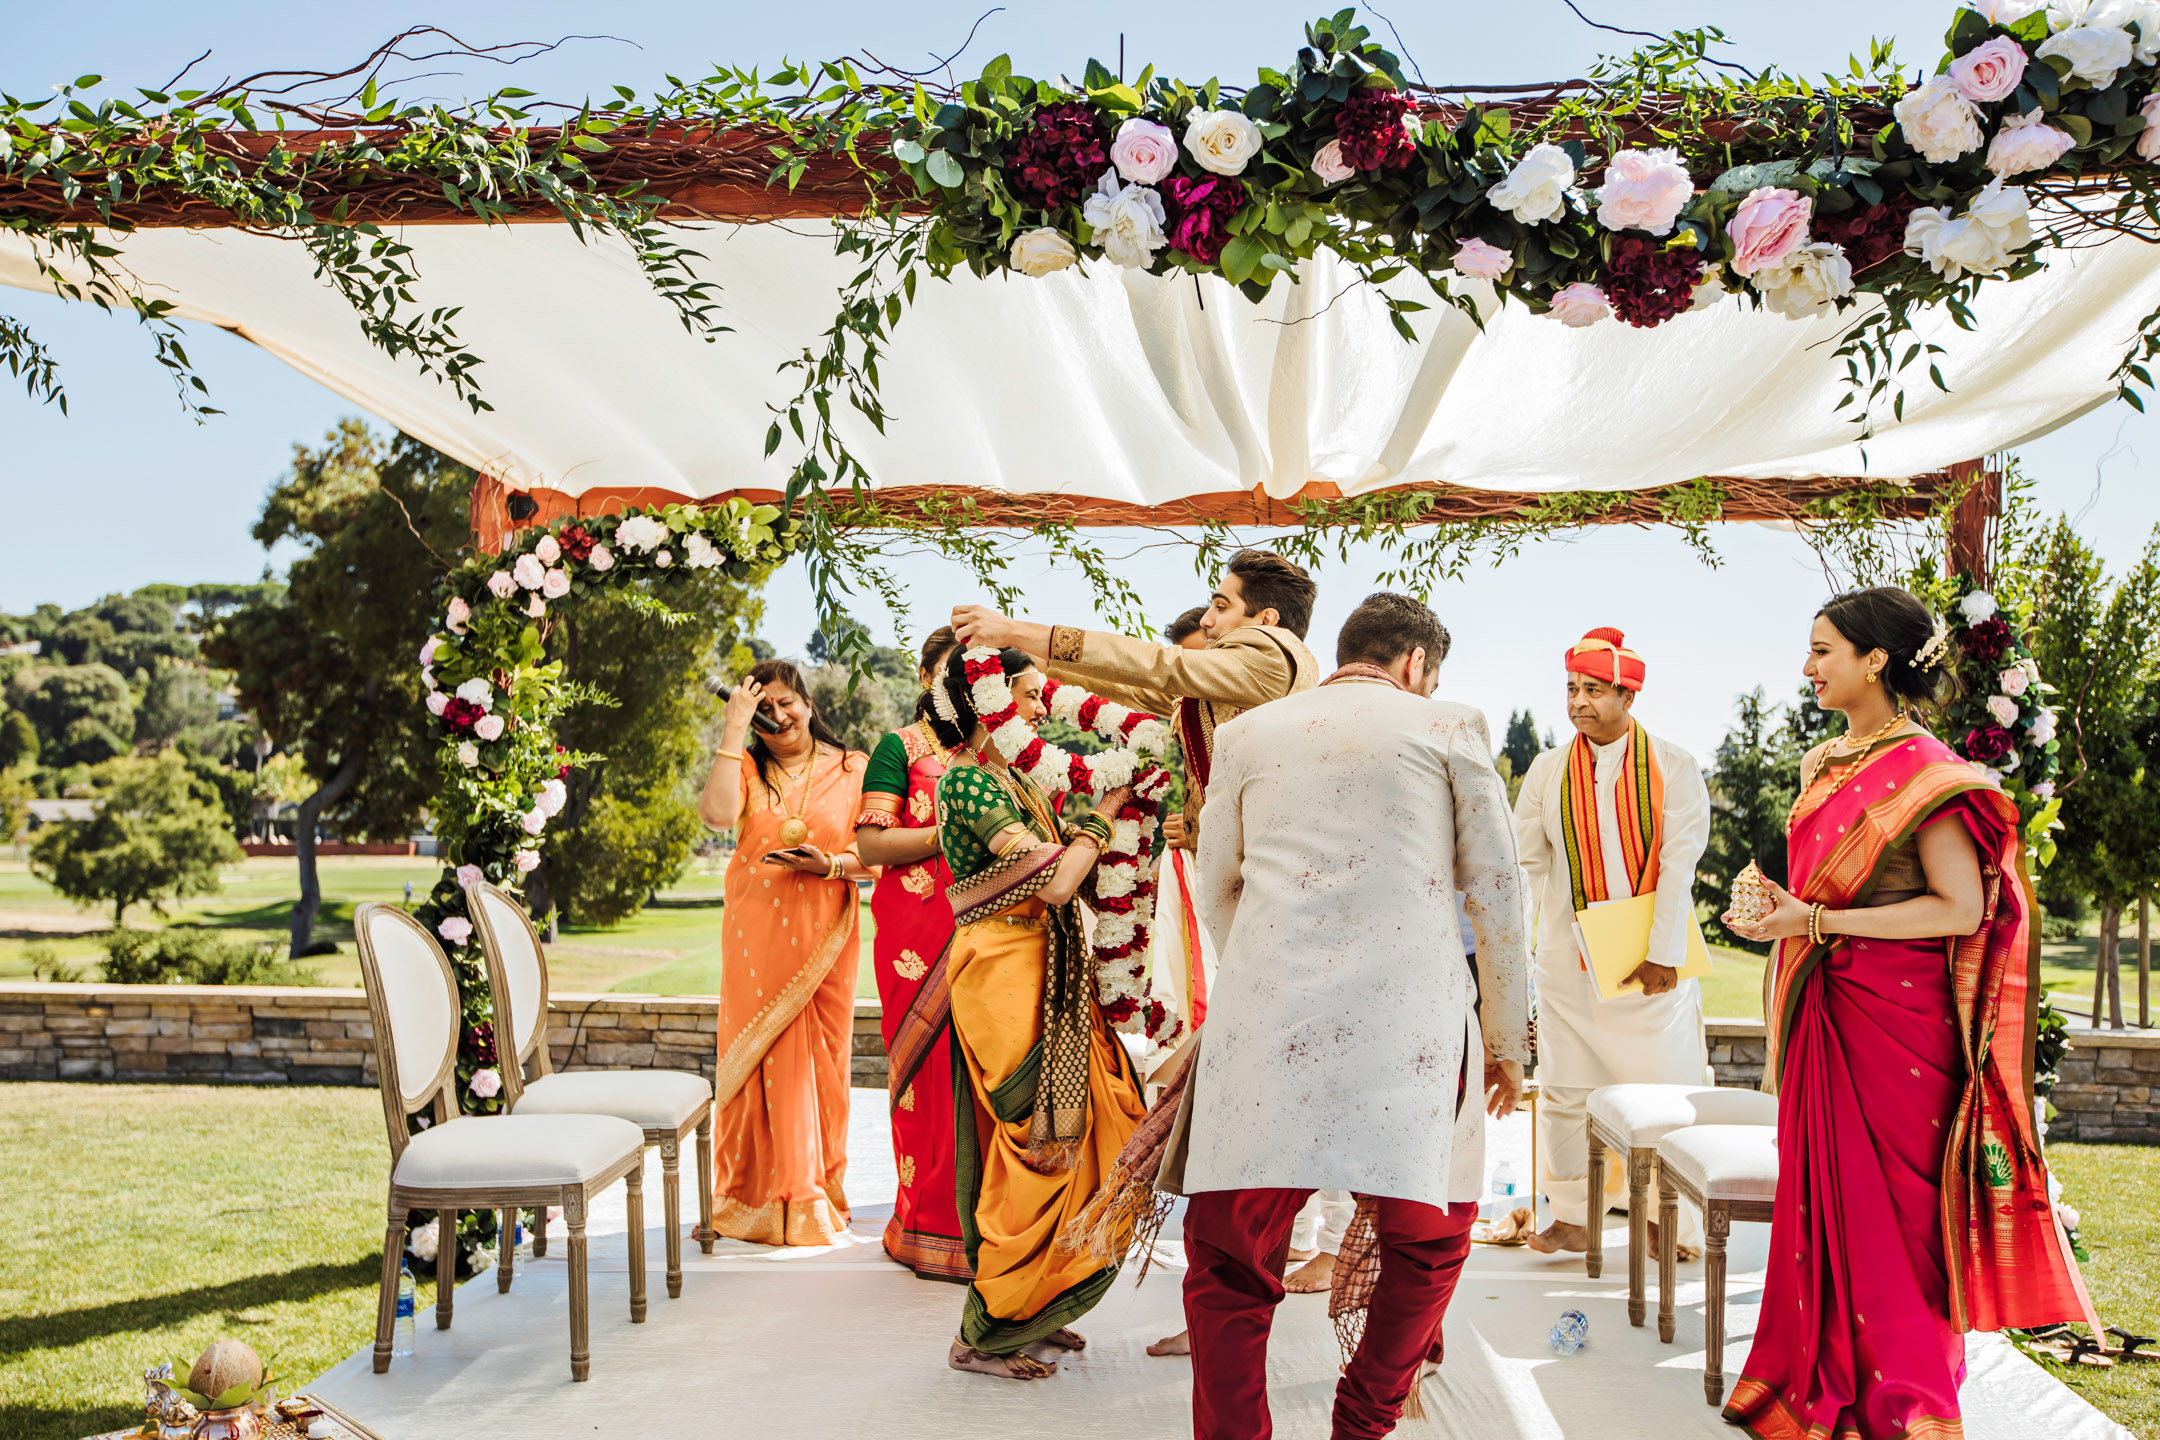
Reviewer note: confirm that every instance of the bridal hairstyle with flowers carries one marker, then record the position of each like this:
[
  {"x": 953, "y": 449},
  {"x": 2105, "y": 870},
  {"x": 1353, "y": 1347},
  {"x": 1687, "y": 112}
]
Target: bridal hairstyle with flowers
[{"x": 1894, "y": 621}]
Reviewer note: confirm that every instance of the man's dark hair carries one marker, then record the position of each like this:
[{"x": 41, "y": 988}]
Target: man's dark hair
[
  {"x": 1385, "y": 627},
  {"x": 1186, "y": 624},
  {"x": 1266, "y": 581}
]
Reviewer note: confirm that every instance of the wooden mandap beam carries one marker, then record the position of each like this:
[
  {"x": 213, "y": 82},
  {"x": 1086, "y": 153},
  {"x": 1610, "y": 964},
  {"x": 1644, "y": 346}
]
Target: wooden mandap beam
[{"x": 494, "y": 522}]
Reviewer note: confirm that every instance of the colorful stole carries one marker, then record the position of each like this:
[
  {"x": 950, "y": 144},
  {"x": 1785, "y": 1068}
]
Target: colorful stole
[
  {"x": 1196, "y": 736},
  {"x": 1639, "y": 799},
  {"x": 2010, "y": 1260}
]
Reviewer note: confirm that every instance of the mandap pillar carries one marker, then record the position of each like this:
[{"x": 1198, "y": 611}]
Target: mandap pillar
[{"x": 1972, "y": 522}]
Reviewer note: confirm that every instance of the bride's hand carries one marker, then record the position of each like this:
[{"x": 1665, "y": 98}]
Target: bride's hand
[
  {"x": 1788, "y": 917},
  {"x": 1113, "y": 802}
]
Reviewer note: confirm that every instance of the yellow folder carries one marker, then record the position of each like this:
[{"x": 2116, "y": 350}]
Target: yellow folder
[{"x": 1615, "y": 938}]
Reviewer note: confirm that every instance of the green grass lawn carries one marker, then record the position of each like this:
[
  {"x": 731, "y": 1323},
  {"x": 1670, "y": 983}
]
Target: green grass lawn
[
  {"x": 2116, "y": 1191},
  {"x": 672, "y": 947}
]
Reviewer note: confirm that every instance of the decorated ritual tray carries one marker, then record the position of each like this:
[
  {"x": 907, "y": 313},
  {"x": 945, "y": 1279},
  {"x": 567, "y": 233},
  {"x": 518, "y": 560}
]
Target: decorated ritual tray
[{"x": 276, "y": 1427}]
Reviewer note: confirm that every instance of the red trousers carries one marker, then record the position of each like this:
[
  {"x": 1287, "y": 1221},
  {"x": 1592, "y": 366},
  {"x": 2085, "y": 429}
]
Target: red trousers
[{"x": 1235, "y": 1244}]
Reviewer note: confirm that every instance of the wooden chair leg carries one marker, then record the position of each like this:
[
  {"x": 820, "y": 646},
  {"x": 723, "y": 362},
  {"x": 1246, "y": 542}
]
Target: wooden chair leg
[
  {"x": 1594, "y": 1258},
  {"x": 634, "y": 1212},
  {"x": 539, "y": 1231},
  {"x": 1668, "y": 1260},
  {"x": 580, "y": 1300},
  {"x": 1717, "y": 1225},
  {"x": 506, "y": 1249},
  {"x": 445, "y": 1266},
  {"x": 671, "y": 1203},
  {"x": 704, "y": 1183},
  {"x": 393, "y": 1255},
  {"x": 1639, "y": 1165}
]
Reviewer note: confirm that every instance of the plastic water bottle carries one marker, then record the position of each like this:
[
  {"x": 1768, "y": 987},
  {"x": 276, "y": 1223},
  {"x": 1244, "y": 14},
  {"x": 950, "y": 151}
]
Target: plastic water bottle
[
  {"x": 1503, "y": 1180},
  {"x": 401, "y": 1335},
  {"x": 1569, "y": 1333}
]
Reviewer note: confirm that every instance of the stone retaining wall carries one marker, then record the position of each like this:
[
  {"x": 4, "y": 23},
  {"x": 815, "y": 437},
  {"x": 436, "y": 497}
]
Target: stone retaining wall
[{"x": 2109, "y": 1088}]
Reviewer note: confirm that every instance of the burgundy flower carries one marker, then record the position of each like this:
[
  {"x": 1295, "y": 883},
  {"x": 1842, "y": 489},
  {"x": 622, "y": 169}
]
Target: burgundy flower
[
  {"x": 562, "y": 771},
  {"x": 576, "y": 542},
  {"x": 1987, "y": 641},
  {"x": 1200, "y": 212},
  {"x": 1649, "y": 284},
  {"x": 1986, "y": 743},
  {"x": 1370, "y": 129},
  {"x": 1870, "y": 234},
  {"x": 461, "y": 714},
  {"x": 1060, "y": 157},
  {"x": 480, "y": 1043}
]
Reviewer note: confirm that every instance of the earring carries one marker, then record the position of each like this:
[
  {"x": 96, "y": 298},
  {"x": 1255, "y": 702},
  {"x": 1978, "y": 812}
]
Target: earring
[{"x": 1872, "y": 677}]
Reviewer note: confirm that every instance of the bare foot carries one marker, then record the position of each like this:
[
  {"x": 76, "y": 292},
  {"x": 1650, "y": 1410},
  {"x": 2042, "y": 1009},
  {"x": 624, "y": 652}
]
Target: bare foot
[
  {"x": 1314, "y": 1276},
  {"x": 1686, "y": 1254},
  {"x": 1066, "y": 1339},
  {"x": 1178, "y": 1344},
  {"x": 1560, "y": 1236},
  {"x": 1005, "y": 1367},
  {"x": 1299, "y": 1257}
]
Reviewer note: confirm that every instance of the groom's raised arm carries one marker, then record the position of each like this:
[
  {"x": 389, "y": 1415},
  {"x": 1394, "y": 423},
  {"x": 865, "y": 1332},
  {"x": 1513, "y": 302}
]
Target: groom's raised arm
[
  {"x": 1245, "y": 668},
  {"x": 1492, "y": 884}
]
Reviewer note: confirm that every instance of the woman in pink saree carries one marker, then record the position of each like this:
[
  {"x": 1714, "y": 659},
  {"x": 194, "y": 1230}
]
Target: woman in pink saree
[{"x": 1912, "y": 1200}]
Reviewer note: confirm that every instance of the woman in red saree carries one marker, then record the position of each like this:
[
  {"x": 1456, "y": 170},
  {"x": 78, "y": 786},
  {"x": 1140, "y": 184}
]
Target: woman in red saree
[
  {"x": 898, "y": 830},
  {"x": 1912, "y": 1200}
]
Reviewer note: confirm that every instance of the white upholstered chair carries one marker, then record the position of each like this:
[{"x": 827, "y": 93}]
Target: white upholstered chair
[
  {"x": 471, "y": 1162},
  {"x": 1629, "y": 1120},
  {"x": 670, "y": 1106},
  {"x": 1731, "y": 1172}
]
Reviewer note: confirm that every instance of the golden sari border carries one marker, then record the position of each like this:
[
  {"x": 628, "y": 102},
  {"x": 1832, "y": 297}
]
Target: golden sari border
[
  {"x": 739, "y": 1061},
  {"x": 1757, "y": 1408}
]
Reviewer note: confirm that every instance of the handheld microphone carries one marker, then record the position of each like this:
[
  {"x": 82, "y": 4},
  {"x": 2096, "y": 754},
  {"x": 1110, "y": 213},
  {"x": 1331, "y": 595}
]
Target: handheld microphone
[{"x": 758, "y": 717}]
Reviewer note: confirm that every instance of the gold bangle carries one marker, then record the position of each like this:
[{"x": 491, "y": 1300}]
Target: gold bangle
[
  {"x": 728, "y": 754},
  {"x": 1814, "y": 923}
]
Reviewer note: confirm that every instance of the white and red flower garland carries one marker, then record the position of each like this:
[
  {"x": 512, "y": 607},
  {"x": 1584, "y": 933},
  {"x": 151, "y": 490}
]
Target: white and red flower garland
[{"x": 1124, "y": 882}]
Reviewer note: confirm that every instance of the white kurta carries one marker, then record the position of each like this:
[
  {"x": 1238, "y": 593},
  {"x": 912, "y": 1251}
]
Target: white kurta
[
  {"x": 1339, "y": 825},
  {"x": 1583, "y": 1041}
]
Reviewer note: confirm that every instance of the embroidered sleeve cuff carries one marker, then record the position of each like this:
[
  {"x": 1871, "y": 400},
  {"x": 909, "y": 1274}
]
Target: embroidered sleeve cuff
[
  {"x": 1066, "y": 643},
  {"x": 876, "y": 817}
]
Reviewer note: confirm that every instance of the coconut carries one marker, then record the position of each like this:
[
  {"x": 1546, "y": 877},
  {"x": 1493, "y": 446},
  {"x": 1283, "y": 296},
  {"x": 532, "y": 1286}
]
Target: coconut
[{"x": 224, "y": 1365}]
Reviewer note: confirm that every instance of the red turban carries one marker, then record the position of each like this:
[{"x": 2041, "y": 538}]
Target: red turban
[{"x": 1601, "y": 655}]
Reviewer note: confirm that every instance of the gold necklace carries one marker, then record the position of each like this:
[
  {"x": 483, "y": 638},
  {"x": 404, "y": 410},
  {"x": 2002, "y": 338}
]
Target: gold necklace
[
  {"x": 794, "y": 830},
  {"x": 1860, "y": 749}
]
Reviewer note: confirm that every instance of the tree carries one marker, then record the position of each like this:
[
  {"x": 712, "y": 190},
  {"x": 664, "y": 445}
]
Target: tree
[
  {"x": 15, "y": 796},
  {"x": 2098, "y": 644},
  {"x": 19, "y": 746},
  {"x": 1522, "y": 745},
  {"x": 1752, "y": 784},
  {"x": 155, "y": 837},
  {"x": 184, "y": 700},
  {"x": 84, "y": 714}
]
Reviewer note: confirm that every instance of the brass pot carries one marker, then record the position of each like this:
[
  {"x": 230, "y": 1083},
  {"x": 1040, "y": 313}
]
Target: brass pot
[{"x": 241, "y": 1422}]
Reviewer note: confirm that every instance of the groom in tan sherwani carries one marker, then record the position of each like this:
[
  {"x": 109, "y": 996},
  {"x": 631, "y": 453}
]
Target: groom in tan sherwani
[{"x": 1349, "y": 1041}]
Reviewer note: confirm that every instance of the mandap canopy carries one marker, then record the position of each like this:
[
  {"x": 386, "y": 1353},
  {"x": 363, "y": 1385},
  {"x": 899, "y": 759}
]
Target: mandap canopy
[{"x": 755, "y": 315}]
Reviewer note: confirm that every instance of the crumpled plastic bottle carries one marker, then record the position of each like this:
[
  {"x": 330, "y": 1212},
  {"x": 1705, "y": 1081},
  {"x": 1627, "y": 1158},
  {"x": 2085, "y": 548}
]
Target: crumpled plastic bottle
[{"x": 1569, "y": 1333}]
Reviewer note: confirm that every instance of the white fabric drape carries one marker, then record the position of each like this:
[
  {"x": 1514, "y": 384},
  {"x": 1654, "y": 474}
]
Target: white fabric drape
[{"x": 1128, "y": 387}]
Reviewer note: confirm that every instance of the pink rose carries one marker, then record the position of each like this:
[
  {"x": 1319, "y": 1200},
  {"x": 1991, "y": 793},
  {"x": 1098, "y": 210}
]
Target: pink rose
[
  {"x": 1770, "y": 224},
  {"x": 601, "y": 558},
  {"x": 663, "y": 559},
  {"x": 1143, "y": 151},
  {"x": 1990, "y": 72},
  {"x": 2024, "y": 144},
  {"x": 501, "y": 583},
  {"x": 1644, "y": 190},
  {"x": 427, "y": 651},
  {"x": 548, "y": 551},
  {"x": 526, "y": 861},
  {"x": 488, "y": 727},
  {"x": 454, "y": 619},
  {"x": 2013, "y": 681},
  {"x": 427, "y": 677},
  {"x": 534, "y": 821},
  {"x": 455, "y": 928},
  {"x": 553, "y": 796},
  {"x": 556, "y": 585},
  {"x": 535, "y": 608},
  {"x": 529, "y": 571},
  {"x": 2148, "y": 146},
  {"x": 469, "y": 876},
  {"x": 1580, "y": 304},
  {"x": 2004, "y": 709},
  {"x": 487, "y": 1084},
  {"x": 1476, "y": 260},
  {"x": 1329, "y": 166},
  {"x": 436, "y": 703}
]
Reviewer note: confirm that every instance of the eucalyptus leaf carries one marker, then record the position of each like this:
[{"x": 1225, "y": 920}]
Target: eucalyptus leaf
[
  {"x": 945, "y": 169},
  {"x": 908, "y": 152}
]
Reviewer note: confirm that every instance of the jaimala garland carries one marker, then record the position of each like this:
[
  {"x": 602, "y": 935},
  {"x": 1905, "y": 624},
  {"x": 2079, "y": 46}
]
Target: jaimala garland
[{"x": 1124, "y": 888}]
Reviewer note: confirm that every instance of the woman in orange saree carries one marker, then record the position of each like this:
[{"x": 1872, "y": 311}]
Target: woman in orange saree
[
  {"x": 1912, "y": 1201},
  {"x": 789, "y": 955}
]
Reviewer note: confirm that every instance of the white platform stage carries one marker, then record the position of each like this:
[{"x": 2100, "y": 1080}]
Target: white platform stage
[{"x": 840, "y": 1342}]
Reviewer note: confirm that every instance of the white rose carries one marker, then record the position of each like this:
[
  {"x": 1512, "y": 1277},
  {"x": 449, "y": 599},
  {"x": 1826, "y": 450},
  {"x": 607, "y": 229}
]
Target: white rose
[
  {"x": 556, "y": 584},
  {"x": 601, "y": 558},
  {"x": 2091, "y": 38},
  {"x": 2003, "y": 12},
  {"x": 1982, "y": 240},
  {"x": 489, "y": 727},
  {"x": 2043, "y": 728},
  {"x": 2146, "y": 14},
  {"x": 437, "y": 702},
  {"x": 1127, "y": 221},
  {"x": 1040, "y": 252},
  {"x": 1580, "y": 304},
  {"x": 1644, "y": 190},
  {"x": 548, "y": 551},
  {"x": 1937, "y": 121},
  {"x": 477, "y": 691},
  {"x": 468, "y": 754},
  {"x": 1977, "y": 606},
  {"x": 1806, "y": 282},
  {"x": 698, "y": 552},
  {"x": 553, "y": 796},
  {"x": 501, "y": 583},
  {"x": 1708, "y": 290},
  {"x": 1536, "y": 189},
  {"x": 2148, "y": 141},
  {"x": 663, "y": 559},
  {"x": 529, "y": 572},
  {"x": 1222, "y": 141},
  {"x": 2025, "y": 144},
  {"x": 642, "y": 532},
  {"x": 535, "y": 608}
]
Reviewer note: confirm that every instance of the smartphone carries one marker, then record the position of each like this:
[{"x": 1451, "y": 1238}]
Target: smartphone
[{"x": 800, "y": 852}]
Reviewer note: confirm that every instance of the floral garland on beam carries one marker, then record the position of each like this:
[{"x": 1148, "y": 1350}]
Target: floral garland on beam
[
  {"x": 2001, "y": 720},
  {"x": 1123, "y": 897}
]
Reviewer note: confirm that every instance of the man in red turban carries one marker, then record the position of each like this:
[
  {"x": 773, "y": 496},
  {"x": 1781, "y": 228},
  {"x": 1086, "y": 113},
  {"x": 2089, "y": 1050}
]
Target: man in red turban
[{"x": 1615, "y": 813}]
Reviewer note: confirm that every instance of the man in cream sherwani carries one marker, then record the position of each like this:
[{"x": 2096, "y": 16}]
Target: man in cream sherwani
[
  {"x": 1343, "y": 1048},
  {"x": 1652, "y": 822}
]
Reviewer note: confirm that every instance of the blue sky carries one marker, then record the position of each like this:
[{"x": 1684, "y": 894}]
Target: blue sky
[{"x": 126, "y": 490}]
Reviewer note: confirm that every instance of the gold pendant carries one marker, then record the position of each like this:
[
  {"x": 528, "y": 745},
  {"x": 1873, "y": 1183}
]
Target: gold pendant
[{"x": 793, "y": 831}]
